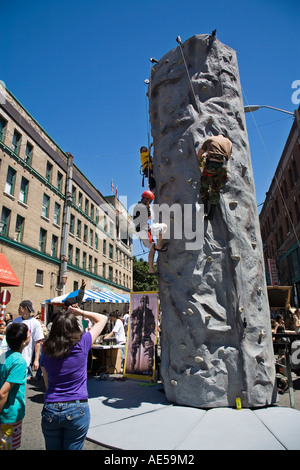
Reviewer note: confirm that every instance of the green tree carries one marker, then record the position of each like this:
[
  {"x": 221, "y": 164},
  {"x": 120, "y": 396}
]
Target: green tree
[{"x": 142, "y": 280}]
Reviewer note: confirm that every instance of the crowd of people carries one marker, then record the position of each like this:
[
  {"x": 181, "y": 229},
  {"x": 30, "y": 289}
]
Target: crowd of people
[
  {"x": 286, "y": 321},
  {"x": 59, "y": 353}
]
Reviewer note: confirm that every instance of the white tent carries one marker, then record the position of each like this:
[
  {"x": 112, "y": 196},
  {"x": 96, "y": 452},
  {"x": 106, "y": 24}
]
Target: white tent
[{"x": 95, "y": 296}]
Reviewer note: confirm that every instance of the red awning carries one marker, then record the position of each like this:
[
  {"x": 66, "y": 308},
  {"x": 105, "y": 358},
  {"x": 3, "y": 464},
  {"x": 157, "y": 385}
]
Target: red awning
[{"x": 7, "y": 275}]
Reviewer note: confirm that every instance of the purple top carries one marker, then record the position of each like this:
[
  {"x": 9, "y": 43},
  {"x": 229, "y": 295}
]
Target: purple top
[{"x": 67, "y": 376}]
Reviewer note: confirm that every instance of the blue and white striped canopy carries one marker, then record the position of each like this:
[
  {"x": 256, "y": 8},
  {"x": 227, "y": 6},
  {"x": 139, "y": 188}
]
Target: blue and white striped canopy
[{"x": 102, "y": 296}]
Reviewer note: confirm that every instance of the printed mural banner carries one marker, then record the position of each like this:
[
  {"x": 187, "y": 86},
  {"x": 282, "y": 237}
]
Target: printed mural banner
[{"x": 141, "y": 336}]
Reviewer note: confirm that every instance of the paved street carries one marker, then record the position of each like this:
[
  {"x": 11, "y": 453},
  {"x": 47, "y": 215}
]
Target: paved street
[{"x": 32, "y": 437}]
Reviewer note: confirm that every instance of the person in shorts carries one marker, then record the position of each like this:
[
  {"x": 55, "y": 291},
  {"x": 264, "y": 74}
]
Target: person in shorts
[
  {"x": 141, "y": 213},
  {"x": 13, "y": 380}
]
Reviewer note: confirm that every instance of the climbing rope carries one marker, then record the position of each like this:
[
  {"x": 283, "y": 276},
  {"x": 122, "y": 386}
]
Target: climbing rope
[{"x": 178, "y": 39}]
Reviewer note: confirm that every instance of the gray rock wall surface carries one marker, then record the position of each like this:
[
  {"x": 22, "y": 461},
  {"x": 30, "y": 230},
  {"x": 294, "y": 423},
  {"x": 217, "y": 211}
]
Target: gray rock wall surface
[{"x": 216, "y": 333}]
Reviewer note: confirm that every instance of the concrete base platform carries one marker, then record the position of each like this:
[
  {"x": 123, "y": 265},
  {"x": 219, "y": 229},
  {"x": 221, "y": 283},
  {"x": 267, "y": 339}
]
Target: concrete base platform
[{"x": 132, "y": 415}]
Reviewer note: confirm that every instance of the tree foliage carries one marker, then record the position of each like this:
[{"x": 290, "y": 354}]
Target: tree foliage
[{"x": 142, "y": 280}]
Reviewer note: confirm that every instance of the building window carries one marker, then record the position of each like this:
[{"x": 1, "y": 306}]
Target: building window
[
  {"x": 85, "y": 231},
  {"x": 59, "y": 181},
  {"x": 95, "y": 266},
  {"x": 92, "y": 211},
  {"x": 73, "y": 194},
  {"x": 19, "y": 228},
  {"x": 4, "y": 223},
  {"x": 72, "y": 223},
  {"x": 42, "y": 240},
  {"x": 91, "y": 237},
  {"x": 297, "y": 210},
  {"x": 77, "y": 255},
  {"x": 56, "y": 218},
  {"x": 45, "y": 206},
  {"x": 49, "y": 169},
  {"x": 83, "y": 260},
  {"x": 80, "y": 200},
  {"x": 90, "y": 263},
  {"x": 15, "y": 146},
  {"x": 96, "y": 241},
  {"x": 23, "y": 190},
  {"x": 39, "y": 277},
  {"x": 86, "y": 208},
  {"x": 103, "y": 270},
  {"x": 10, "y": 181},
  {"x": 54, "y": 244},
  {"x": 295, "y": 170},
  {"x": 3, "y": 123},
  {"x": 28, "y": 153},
  {"x": 79, "y": 228},
  {"x": 70, "y": 253},
  {"x": 111, "y": 251},
  {"x": 110, "y": 273}
]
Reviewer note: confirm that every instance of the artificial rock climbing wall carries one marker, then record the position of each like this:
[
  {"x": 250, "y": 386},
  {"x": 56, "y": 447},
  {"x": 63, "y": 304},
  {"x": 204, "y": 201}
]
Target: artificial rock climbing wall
[{"x": 216, "y": 335}]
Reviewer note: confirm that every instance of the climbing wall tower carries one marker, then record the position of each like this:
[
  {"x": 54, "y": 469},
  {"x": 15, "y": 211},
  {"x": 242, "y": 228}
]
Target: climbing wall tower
[{"x": 216, "y": 333}]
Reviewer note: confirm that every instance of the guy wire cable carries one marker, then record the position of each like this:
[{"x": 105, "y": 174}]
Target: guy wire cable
[{"x": 275, "y": 177}]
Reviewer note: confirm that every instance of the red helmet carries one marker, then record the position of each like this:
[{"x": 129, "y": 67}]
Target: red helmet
[{"x": 148, "y": 195}]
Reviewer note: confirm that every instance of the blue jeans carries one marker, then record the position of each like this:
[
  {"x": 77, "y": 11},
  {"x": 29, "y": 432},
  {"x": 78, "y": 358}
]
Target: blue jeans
[{"x": 65, "y": 425}]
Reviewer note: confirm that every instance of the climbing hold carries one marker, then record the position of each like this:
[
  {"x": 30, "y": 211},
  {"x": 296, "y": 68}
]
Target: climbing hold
[
  {"x": 235, "y": 257},
  {"x": 207, "y": 317},
  {"x": 241, "y": 309},
  {"x": 190, "y": 311},
  {"x": 182, "y": 346},
  {"x": 209, "y": 259},
  {"x": 199, "y": 359},
  {"x": 233, "y": 204},
  {"x": 174, "y": 382}
]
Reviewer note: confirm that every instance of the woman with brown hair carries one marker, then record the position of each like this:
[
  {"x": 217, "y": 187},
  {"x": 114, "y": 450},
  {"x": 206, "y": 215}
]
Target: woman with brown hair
[{"x": 65, "y": 415}]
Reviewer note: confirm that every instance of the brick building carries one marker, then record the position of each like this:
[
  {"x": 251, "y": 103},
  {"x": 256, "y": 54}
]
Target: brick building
[
  {"x": 56, "y": 228},
  {"x": 280, "y": 219}
]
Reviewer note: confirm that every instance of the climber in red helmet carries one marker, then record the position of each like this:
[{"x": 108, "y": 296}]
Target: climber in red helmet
[{"x": 141, "y": 214}]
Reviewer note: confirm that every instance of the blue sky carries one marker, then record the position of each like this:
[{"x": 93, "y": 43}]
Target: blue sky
[{"x": 79, "y": 69}]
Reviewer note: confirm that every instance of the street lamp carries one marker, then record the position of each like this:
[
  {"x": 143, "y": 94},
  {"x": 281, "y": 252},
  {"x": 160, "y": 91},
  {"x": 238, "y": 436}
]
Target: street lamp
[{"x": 296, "y": 114}]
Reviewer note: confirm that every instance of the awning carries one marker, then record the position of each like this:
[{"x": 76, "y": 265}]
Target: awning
[
  {"x": 7, "y": 275},
  {"x": 96, "y": 296},
  {"x": 279, "y": 297}
]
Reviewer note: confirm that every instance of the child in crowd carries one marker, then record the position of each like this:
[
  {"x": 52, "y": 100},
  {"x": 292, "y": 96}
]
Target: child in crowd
[
  {"x": 13, "y": 379},
  {"x": 3, "y": 343}
]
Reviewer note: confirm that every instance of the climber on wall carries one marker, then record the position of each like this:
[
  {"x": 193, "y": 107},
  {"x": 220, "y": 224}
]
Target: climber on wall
[
  {"x": 141, "y": 213},
  {"x": 147, "y": 167},
  {"x": 213, "y": 157}
]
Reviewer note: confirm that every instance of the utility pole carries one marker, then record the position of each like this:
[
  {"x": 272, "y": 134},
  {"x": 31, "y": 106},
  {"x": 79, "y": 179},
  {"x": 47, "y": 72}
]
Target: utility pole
[{"x": 65, "y": 226}]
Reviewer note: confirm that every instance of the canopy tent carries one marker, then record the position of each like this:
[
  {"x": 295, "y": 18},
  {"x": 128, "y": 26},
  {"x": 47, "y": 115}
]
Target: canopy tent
[
  {"x": 96, "y": 296},
  {"x": 7, "y": 275}
]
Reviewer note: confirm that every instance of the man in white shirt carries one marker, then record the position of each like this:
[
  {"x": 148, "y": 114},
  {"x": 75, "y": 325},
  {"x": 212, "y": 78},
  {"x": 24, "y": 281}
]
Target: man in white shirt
[
  {"x": 36, "y": 332},
  {"x": 119, "y": 333}
]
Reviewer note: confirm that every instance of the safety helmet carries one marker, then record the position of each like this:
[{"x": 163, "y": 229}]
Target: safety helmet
[{"x": 148, "y": 195}]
